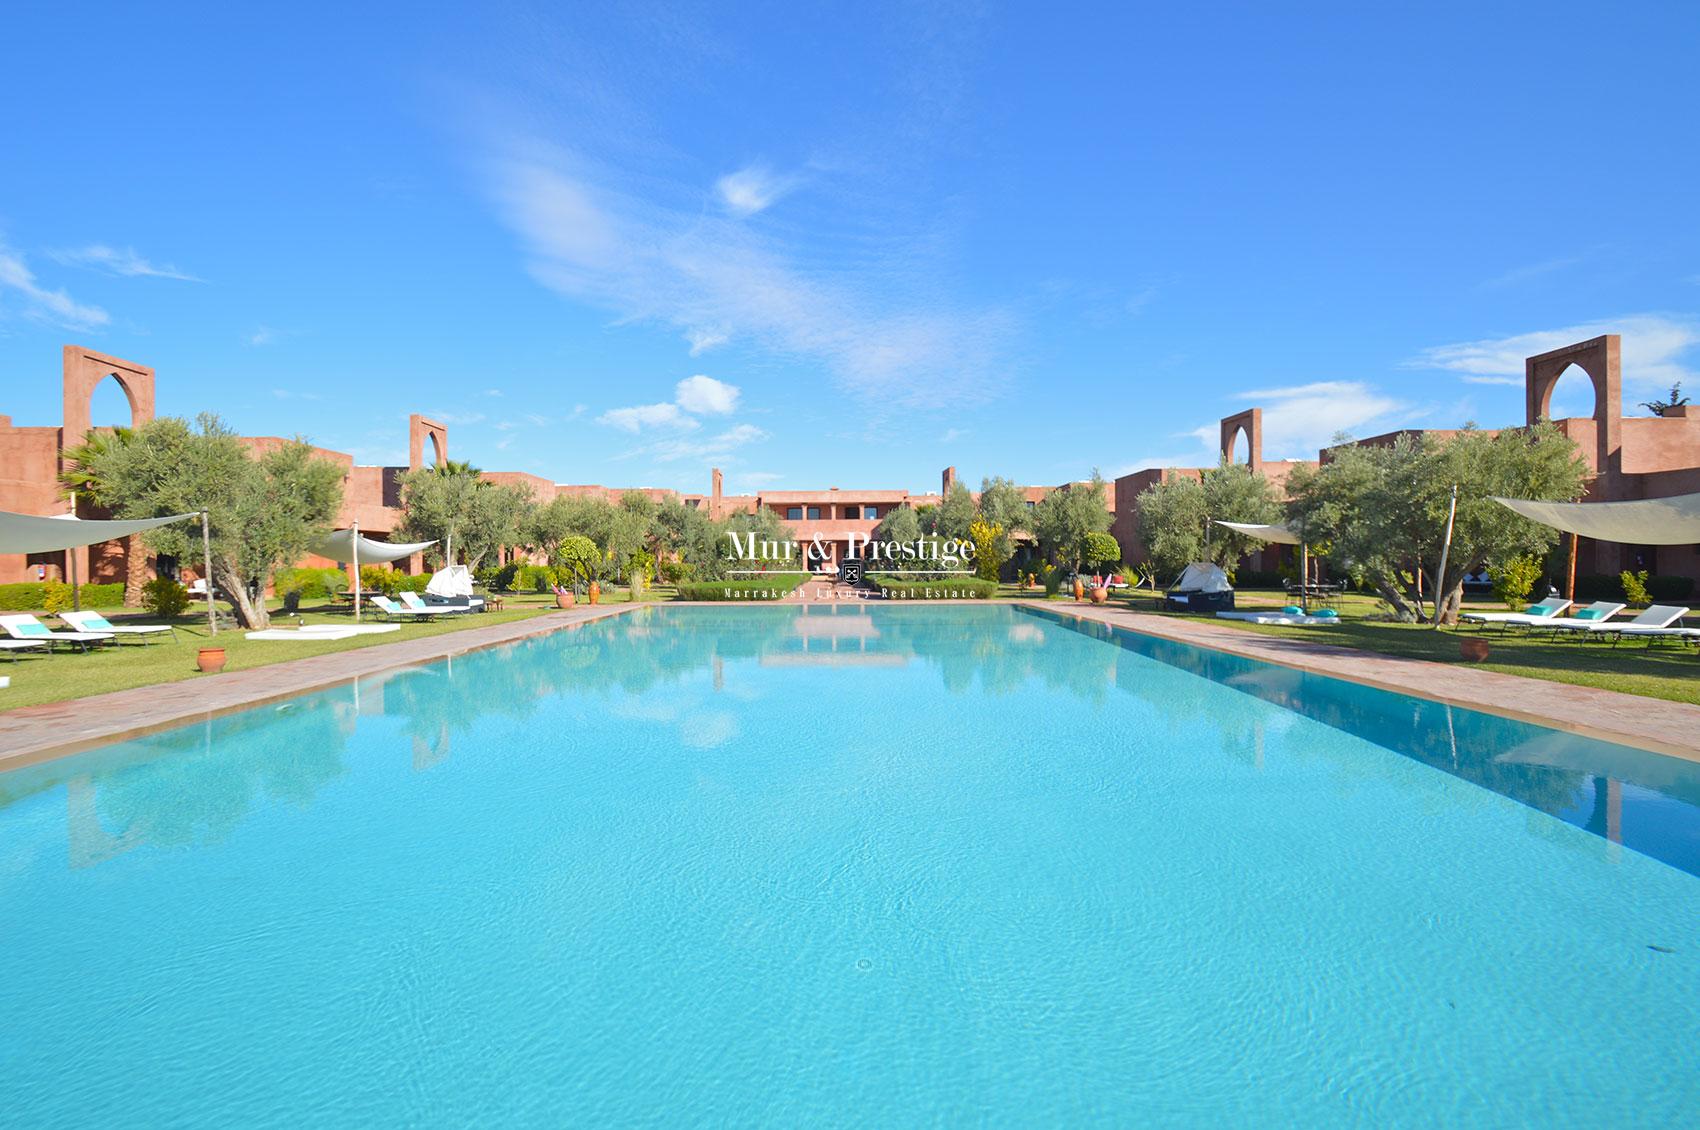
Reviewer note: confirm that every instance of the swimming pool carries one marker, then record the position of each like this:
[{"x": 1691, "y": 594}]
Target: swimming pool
[{"x": 858, "y": 865}]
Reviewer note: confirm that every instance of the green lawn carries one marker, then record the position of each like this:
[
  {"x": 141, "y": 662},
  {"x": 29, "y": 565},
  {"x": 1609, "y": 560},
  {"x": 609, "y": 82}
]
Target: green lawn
[
  {"x": 1662, "y": 671},
  {"x": 71, "y": 674}
]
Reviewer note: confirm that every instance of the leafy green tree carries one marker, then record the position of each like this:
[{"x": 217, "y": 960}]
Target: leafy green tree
[
  {"x": 577, "y": 557},
  {"x": 1379, "y": 512},
  {"x": 1172, "y": 518},
  {"x": 1099, "y": 549},
  {"x": 263, "y": 512},
  {"x": 951, "y": 518},
  {"x": 989, "y": 545},
  {"x": 1062, "y": 521},
  {"x": 545, "y": 527},
  {"x": 1178, "y": 516},
  {"x": 1002, "y": 503},
  {"x": 467, "y": 515}
]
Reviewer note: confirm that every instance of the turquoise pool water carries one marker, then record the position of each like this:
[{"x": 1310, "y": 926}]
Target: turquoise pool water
[{"x": 850, "y": 866}]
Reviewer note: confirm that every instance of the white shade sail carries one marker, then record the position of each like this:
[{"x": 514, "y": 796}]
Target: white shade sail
[
  {"x": 339, "y": 546},
  {"x": 1275, "y": 533},
  {"x": 1646, "y": 521},
  {"x": 32, "y": 533}
]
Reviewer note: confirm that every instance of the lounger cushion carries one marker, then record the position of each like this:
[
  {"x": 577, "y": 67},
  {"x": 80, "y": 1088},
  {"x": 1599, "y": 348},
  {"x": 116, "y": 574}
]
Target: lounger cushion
[
  {"x": 1325, "y": 614},
  {"x": 1534, "y": 610},
  {"x": 1293, "y": 610},
  {"x": 1590, "y": 614}
]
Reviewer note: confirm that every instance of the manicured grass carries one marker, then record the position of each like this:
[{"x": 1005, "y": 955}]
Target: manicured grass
[
  {"x": 1662, "y": 671},
  {"x": 70, "y": 674}
]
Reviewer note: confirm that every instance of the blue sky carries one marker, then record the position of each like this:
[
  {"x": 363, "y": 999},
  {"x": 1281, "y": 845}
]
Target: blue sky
[{"x": 835, "y": 244}]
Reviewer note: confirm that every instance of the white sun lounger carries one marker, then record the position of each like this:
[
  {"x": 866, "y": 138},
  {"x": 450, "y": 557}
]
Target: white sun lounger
[
  {"x": 1280, "y": 618},
  {"x": 1653, "y": 623},
  {"x": 396, "y": 612},
  {"x": 352, "y": 629},
  {"x": 95, "y": 622},
  {"x": 23, "y": 626},
  {"x": 1548, "y": 608},
  {"x": 10, "y": 645},
  {"x": 1603, "y": 611}
]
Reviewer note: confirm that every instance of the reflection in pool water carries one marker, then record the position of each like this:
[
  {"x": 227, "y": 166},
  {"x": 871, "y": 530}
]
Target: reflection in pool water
[{"x": 777, "y": 864}]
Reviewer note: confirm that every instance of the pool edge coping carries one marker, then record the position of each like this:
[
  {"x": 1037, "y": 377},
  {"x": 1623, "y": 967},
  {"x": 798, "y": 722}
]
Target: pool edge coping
[
  {"x": 1648, "y": 723},
  {"x": 42, "y": 725}
]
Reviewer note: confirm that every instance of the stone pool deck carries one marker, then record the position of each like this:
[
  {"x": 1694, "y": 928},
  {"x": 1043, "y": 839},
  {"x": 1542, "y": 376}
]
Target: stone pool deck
[
  {"x": 31, "y": 734},
  {"x": 1650, "y": 723}
]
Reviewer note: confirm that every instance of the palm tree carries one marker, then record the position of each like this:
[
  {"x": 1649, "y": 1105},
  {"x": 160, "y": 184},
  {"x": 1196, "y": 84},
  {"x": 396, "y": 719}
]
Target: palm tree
[{"x": 80, "y": 478}]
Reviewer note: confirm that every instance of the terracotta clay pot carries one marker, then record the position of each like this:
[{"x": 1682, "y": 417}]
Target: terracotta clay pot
[
  {"x": 564, "y": 600},
  {"x": 595, "y": 592},
  {"x": 1100, "y": 595},
  {"x": 1079, "y": 590},
  {"x": 1474, "y": 649},
  {"x": 210, "y": 660}
]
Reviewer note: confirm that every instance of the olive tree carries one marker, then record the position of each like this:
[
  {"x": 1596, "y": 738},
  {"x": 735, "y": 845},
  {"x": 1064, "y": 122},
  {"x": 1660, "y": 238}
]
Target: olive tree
[
  {"x": 1379, "y": 512},
  {"x": 263, "y": 511},
  {"x": 1178, "y": 516},
  {"x": 468, "y": 516},
  {"x": 1062, "y": 521}
]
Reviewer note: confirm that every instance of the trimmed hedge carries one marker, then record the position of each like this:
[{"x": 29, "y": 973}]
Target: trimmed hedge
[
  {"x": 944, "y": 588},
  {"x": 774, "y": 586},
  {"x": 312, "y": 584},
  {"x": 31, "y": 596}
]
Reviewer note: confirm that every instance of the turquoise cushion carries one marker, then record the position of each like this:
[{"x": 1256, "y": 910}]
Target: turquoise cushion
[
  {"x": 1293, "y": 610},
  {"x": 1591, "y": 614},
  {"x": 30, "y": 628},
  {"x": 97, "y": 622},
  {"x": 1325, "y": 614},
  {"x": 1535, "y": 610}
]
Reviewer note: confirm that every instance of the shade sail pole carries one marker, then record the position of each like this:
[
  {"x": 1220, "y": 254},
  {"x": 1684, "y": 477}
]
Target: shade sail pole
[
  {"x": 1570, "y": 587},
  {"x": 206, "y": 561},
  {"x": 355, "y": 545},
  {"x": 76, "y": 586}
]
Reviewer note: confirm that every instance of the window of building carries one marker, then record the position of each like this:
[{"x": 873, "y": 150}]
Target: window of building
[
  {"x": 692, "y": 503},
  {"x": 852, "y": 512},
  {"x": 1031, "y": 504},
  {"x": 794, "y": 513},
  {"x": 870, "y": 512},
  {"x": 814, "y": 513}
]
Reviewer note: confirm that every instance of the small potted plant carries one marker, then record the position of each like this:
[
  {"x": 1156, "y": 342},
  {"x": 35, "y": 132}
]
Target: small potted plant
[{"x": 564, "y": 597}]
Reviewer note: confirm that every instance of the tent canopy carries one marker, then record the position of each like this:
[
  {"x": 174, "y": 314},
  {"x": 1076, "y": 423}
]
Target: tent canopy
[
  {"x": 1201, "y": 576},
  {"x": 1647, "y": 521},
  {"x": 1275, "y": 532},
  {"x": 339, "y": 546},
  {"x": 31, "y": 533},
  {"x": 453, "y": 580}
]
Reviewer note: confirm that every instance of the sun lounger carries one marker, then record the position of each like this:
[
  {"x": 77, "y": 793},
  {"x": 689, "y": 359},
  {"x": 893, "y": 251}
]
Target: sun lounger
[
  {"x": 396, "y": 612},
  {"x": 1543, "y": 610},
  {"x": 23, "y": 626},
  {"x": 11, "y": 647},
  {"x": 352, "y": 629},
  {"x": 95, "y": 622},
  {"x": 1657, "y": 619},
  {"x": 413, "y": 602},
  {"x": 1584, "y": 618}
]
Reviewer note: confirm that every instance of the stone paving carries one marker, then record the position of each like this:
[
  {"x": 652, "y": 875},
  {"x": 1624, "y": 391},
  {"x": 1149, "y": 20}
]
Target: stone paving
[
  {"x": 54, "y": 729},
  {"x": 1650, "y": 723}
]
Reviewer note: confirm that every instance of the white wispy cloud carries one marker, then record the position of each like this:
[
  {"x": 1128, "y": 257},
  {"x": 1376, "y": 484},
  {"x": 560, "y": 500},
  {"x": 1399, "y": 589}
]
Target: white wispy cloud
[
  {"x": 753, "y": 189},
  {"x": 1653, "y": 345},
  {"x": 705, "y": 396},
  {"x": 290, "y": 394},
  {"x": 264, "y": 335},
  {"x": 717, "y": 446},
  {"x": 703, "y": 340},
  {"x": 122, "y": 261},
  {"x": 641, "y": 416},
  {"x": 1300, "y": 420},
  {"x": 41, "y": 303},
  {"x": 694, "y": 396},
  {"x": 757, "y": 478},
  {"x": 951, "y": 435},
  {"x": 493, "y": 392},
  {"x": 879, "y": 328},
  {"x": 462, "y": 419}
]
